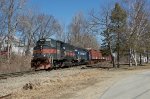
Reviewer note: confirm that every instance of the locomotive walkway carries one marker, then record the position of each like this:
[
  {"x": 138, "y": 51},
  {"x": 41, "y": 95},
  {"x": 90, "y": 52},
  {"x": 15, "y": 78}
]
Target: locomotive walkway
[{"x": 134, "y": 87}]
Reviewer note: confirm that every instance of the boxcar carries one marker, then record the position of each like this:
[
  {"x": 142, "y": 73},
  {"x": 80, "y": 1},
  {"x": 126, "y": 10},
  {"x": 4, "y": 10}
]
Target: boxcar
[{"x": 95, "y": 56}]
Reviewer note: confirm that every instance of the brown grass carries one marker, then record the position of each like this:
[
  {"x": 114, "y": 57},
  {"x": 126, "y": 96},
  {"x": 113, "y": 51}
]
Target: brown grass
[{"x": 15, "y": 64}]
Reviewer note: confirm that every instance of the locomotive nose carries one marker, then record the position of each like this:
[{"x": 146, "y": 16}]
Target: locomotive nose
[{"x": 41, "y": 63}]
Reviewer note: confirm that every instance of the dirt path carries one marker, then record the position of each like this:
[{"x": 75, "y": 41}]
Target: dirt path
[
  {"x": 73, "y": 83},
  {"x": 133, "y": 87}
]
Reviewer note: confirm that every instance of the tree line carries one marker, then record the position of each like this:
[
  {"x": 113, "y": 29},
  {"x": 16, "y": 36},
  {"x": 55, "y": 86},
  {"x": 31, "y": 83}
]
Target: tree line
[
  {"x": 125, "y": 30},
  {"x": 123, "y": 27}
]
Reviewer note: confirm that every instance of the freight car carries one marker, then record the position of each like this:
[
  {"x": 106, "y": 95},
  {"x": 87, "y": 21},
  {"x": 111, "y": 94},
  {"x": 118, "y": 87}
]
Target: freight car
[
  {"x": 95, "y": 56},
  {"x": 50, "y": 53}
]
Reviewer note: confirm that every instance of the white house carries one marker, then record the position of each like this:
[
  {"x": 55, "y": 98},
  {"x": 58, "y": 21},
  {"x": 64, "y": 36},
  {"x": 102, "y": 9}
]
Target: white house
[{"x": 16, "y": 47}]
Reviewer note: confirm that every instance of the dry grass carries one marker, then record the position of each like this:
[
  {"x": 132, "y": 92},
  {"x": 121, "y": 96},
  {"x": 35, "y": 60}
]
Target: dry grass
[
  {"x": 16, "y": 64},
  {"x": 85, "y": 84},
  {"x": 69, "y": 83}
]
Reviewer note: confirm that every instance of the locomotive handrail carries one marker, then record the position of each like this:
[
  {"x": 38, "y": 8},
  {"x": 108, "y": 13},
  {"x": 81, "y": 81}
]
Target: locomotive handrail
[{"x": 51, "y": 60}]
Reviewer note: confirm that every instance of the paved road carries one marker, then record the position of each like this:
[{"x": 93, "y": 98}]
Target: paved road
[{"x": 133, "y": 87}]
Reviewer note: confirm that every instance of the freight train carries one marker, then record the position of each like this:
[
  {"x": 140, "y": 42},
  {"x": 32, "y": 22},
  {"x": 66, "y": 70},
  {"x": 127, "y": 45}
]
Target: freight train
[{"x": 50, "y": 53}]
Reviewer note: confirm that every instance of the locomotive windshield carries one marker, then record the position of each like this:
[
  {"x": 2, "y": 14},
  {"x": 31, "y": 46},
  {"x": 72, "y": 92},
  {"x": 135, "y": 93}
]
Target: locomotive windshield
[{"x": 42, "y": 42}]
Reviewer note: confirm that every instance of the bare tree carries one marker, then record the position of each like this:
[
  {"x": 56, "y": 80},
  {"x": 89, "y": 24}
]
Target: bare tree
[
  {"x": 137, "y": 23},
  {"x": 9, "y": 14},
  {"x": 80, "y": 34},
  {"x": 28, "y": 27},
  {"x": 48, "y": 26},
  {"x": 146, "y": 41},
  {"x": 62, "y": 35},
  {"x": 36, "y": 26},
  {"x": 103, "y": 22}
]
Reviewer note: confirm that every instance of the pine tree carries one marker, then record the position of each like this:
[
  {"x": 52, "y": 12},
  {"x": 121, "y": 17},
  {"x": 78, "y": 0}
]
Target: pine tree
[{"x": 118, "y": 22}]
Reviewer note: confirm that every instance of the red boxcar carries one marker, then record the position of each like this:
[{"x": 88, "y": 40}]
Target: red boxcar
[{"x": 95, "y": 54}]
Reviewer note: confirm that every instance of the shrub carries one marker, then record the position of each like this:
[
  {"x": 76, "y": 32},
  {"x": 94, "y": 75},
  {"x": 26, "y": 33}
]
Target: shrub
[{"x": 15, "y": 64}]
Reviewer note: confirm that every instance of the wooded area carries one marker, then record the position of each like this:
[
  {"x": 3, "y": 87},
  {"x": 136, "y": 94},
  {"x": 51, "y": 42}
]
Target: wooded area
[{"x": 123, "y": 29}]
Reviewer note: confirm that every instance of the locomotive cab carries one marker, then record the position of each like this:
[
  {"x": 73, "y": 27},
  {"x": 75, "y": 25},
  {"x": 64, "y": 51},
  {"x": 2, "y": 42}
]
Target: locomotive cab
[{"x": 42, "y": 58}]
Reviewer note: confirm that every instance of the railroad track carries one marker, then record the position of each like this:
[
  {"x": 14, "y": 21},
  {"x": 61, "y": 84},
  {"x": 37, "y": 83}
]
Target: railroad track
[
  {"x": 16, "y": 74},
  {"x": 5, "y": 96}
]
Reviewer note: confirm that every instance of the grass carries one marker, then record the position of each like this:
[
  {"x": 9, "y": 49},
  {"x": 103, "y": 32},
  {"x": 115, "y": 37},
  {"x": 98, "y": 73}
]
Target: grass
[{"x": 16, "y": 64}]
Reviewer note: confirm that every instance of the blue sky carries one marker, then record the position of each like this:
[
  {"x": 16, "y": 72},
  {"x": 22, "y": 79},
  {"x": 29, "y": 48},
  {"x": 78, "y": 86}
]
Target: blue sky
[{"x": 64, "y": 10}]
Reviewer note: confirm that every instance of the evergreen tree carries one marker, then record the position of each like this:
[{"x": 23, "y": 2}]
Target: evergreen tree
[{"x": 118, "y": 22}]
